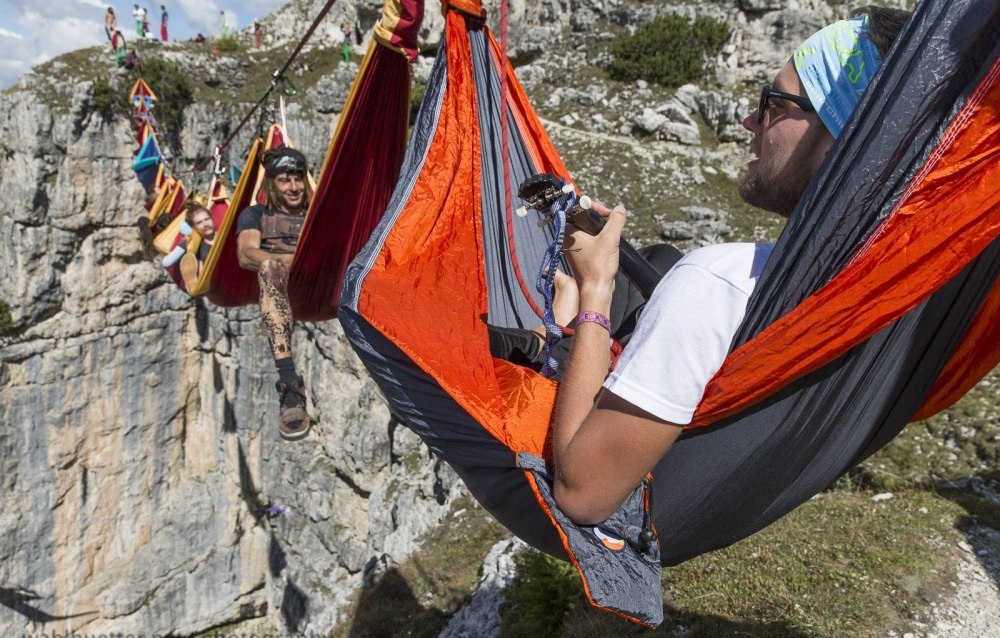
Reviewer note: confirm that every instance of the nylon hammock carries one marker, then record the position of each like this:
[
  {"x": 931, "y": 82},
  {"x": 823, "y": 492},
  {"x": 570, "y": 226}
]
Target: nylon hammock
[
  {"x": 219, "y": 206},
  {"x": 879, "y": 305},
  {"x": 361, "y": 166}
]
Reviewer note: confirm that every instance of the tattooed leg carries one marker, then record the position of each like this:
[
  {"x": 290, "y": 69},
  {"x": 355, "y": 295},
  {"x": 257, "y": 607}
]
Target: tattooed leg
[{"x": 275, "y": 309}]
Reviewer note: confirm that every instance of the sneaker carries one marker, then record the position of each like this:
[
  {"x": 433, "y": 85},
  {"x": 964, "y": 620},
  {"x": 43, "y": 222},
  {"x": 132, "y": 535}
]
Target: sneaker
[
  {"x": 189, "y": 271},
  {"x": 293, "y": 420}
]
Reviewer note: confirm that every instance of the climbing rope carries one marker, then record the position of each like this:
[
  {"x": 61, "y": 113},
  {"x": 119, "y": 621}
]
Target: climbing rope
[{"x": 544, "y": 282}]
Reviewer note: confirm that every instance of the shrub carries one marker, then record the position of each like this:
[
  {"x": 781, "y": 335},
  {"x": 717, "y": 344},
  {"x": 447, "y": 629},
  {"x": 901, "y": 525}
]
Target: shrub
[
  {"x": 105, "y": 98},
  {"x": 670, "y": 51},
  {"x": 174, "y": 93},
  {"x": 228, "y": 45},
  {"x": 544, "y": 592},
  {"x": 416, "y": 97}
]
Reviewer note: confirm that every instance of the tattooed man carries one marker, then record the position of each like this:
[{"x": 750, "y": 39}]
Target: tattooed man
[{"x": 266, "y": 241}]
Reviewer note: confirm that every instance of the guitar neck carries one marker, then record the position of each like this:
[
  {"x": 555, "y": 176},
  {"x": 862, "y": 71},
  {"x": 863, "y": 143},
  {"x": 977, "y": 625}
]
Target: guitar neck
[{"x": 641, "y": 272}]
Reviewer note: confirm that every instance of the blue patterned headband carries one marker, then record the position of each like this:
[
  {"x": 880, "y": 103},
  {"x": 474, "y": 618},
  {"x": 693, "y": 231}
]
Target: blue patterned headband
[{"x": 835, "y": 65}]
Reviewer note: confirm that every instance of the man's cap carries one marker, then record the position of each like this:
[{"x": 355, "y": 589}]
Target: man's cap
[{"x": 284, "y": 160}]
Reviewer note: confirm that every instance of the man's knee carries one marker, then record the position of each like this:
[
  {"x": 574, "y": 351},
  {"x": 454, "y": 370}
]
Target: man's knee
[{"x": 273, "y": 270}]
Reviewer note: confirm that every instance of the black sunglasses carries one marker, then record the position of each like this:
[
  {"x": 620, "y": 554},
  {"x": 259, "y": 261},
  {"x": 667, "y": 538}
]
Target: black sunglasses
[{"x": 767, "y": 92}]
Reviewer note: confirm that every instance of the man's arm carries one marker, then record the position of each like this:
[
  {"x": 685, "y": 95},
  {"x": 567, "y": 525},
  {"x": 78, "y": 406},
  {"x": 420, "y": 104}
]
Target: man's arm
[
  {"x": 603, "y": 446},
  {"x": 251, "y": 256}
]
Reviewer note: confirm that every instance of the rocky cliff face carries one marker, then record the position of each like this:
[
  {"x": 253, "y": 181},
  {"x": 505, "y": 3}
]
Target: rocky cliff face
[
  {"x": 145, "y": 488},
  {"x": 138, "y": 449}
]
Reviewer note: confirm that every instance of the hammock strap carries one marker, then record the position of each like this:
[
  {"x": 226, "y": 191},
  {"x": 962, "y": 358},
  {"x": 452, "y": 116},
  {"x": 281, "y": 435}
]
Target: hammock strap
[{"x": 281, "y": 110}]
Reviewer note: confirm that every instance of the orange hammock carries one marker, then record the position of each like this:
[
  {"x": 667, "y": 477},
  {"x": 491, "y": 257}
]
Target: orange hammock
[{"x": 880, "y": 303}]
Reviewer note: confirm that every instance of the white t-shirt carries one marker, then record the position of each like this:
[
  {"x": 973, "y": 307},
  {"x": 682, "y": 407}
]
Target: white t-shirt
[{"x": 686, "y": 329}]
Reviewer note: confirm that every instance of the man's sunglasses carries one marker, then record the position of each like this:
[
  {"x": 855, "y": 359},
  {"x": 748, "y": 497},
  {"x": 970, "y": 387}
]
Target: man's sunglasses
[{"x": 767, "y": 92}]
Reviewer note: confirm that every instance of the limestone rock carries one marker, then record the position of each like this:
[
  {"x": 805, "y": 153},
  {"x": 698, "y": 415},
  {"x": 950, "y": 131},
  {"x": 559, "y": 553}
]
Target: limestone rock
[{"x": 480, "y": 618}]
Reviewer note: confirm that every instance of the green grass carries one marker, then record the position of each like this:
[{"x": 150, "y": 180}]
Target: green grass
[
  {"x": 57, "y": 76},
  {"x": 840, "y": 565},
  {"x": 960, "y": 442},
  {"x": 228, "y": 45}
]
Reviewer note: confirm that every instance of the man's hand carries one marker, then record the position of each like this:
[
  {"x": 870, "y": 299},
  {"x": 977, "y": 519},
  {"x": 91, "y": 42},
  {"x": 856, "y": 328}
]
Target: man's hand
[{"x": 594, "y": 259}]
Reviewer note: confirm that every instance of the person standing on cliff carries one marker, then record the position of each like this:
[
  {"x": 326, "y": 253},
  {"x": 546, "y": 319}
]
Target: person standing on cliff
[
  {"x": 223, "y": 25},
  {"x": 137, "y": 16},
  {"x": 258, "y": 34},
  {"x": 110, "y": 25},
  {"x": 345, "y": 47},
  {"x": 267, "y": 236},
  {"x": 163, "y": 23}
]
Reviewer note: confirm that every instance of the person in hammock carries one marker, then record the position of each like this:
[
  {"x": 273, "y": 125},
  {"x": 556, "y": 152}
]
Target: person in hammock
[
  {"x": 267, "y": 236},
  {"x": 610, "y": 430},
  {"x": 199, "y": 220}
]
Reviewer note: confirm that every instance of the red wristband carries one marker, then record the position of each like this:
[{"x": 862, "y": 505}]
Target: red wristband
[{"x": 594, "y": 317}]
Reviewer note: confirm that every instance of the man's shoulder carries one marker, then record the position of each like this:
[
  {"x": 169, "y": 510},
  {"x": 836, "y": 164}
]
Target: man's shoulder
[
  {"x": 251, "y": 216},
  {"x": 734, "y": 261},
  {"x": 257, "y": 209}
]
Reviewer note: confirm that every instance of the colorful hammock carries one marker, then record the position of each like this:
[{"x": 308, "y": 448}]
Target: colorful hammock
[
  {"x": 148, "y": 164},
  {"x": 224, "y": 281},
  {"x": 166, "y": 194},
  {"x": 880, "y": 303},
  {"x": 142, "y": 100},
  {"x": 218, "y": 204},
  {"x": 359, "y": 172},
  {"x": 358, "y": 175}
]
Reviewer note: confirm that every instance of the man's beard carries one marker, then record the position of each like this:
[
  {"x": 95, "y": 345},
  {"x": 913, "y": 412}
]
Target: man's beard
[
  {"x": 765, "y": 192},
  {"x": 780, "y": 193}
]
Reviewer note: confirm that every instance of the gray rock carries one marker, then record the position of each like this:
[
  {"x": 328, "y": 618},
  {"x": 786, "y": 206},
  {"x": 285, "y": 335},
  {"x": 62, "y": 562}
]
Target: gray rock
[
  {"x": 480, "y": 618},
  {"x": 676, "y": 231},
  {"x": 719, "y": 110},
  {"x": 650, "y": 121},
  {"x": 688, "y": 96},
  {"x": 330, "y": 94}
]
